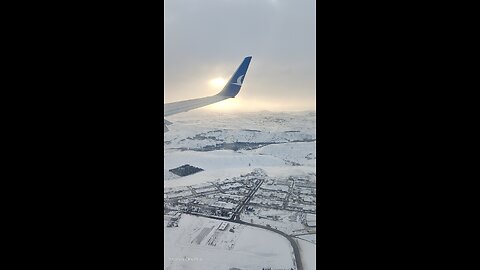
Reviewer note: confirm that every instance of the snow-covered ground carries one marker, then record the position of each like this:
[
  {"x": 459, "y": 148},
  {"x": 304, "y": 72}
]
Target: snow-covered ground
[
  {"x": 223, "y": 164},
  {"x": 197, "y": 243},
  {"x": 303, "y": 153},
  {"x": 288, "y": 221},
  {"x": 307, "y": 252},
  {"x": 243, "y": 127},
  {"x": 311, "y": 220},
  {"x": 278, "y": 140},
  {"x": 227, "y": 146},
  {"x": 312, "y": 238}
]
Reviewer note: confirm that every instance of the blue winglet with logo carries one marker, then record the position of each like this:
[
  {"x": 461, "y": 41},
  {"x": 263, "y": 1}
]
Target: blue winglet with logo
[{"x": 233, "y": 86}]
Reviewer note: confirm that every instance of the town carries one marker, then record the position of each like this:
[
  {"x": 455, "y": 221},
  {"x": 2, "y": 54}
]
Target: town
[{"x": 287, "y": 204}]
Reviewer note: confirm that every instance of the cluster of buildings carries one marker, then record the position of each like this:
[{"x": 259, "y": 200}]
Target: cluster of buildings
[
  {"x": 230, "y": 197},
  {"x": 219, "y": 198}
]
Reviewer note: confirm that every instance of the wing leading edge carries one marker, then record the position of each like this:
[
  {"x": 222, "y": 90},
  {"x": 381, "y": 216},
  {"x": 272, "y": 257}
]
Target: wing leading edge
[{"x": 230, "y": 90}]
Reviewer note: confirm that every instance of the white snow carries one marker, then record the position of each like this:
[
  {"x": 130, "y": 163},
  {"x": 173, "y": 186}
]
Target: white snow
[
  {"x": 197, "y": 243},
  {"x": 307, "y": 252},
  {"x": 311, "y": 220},
  {"x": 303, "y": 153},
  {"x": 223, "y": 164}
]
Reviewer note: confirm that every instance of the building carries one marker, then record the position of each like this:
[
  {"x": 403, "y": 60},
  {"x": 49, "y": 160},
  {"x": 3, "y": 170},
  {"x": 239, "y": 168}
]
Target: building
[{"x": 223, "y": 226}]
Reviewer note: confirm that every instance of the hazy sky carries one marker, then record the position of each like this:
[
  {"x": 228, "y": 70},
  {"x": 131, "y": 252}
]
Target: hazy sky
[{"x": 206, "y": 40}]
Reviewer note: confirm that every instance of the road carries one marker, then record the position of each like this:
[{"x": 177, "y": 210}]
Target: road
[{"x": 236, "y": 215}]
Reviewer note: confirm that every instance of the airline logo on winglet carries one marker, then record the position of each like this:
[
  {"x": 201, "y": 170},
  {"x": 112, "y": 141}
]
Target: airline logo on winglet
[{"x": 239, "y": 81}]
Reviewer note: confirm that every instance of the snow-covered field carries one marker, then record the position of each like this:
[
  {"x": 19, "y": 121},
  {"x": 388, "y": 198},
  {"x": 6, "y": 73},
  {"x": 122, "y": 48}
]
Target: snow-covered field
[
  {"x": 287, "y": 220},
  {"x": 303, "y": 153},
  {"x": 223, "y": 164},
  {"x": 307, "y": 252},
  {"x": 197, "y": 243},
  {"x": 258, "y": 126},
  {"x": 280, "y": 143}
]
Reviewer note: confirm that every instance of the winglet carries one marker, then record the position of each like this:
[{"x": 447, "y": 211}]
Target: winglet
[{"x": 233, "y": 86}]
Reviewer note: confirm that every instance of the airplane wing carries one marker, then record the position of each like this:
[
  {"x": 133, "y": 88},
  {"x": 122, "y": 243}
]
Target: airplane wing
[{"x": 230, "y": 90}]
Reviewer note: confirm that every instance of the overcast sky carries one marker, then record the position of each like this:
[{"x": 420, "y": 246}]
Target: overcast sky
[{"x": 207, "y": 40}]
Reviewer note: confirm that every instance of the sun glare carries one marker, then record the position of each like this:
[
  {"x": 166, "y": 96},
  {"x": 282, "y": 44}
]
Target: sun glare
[
  {"x": 231, "y": 104},
  {"x": 218, "y": 83}
]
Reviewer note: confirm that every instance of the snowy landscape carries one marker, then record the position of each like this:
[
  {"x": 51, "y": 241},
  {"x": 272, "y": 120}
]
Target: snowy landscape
[{"x": 240, "y": 191}]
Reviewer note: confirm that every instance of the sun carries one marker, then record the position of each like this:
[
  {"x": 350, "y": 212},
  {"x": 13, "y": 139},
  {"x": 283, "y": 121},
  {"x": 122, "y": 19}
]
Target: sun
[{"x": 218, "y": 83}]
